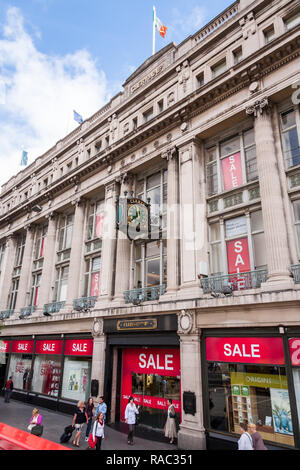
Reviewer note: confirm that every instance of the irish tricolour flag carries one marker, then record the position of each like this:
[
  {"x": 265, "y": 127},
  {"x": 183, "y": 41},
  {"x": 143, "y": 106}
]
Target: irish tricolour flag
[{"x": 158, "y": 24}]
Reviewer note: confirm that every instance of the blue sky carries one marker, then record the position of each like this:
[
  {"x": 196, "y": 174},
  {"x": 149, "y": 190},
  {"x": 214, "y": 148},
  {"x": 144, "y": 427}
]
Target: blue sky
[{"x": 56, "y": 55}]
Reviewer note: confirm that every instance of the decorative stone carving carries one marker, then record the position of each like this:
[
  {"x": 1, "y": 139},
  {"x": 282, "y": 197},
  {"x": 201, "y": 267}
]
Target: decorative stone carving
[
  {"x": 259, "y": 106},
  {"x": 97, "y": 329},
  {"x": 113, "y": 126},
  {"x": 183, "y": 74},
  {"x": 187, "y": 322},
  {"x": 169, "y": 154},
  {"x": 171, "y": 98}
]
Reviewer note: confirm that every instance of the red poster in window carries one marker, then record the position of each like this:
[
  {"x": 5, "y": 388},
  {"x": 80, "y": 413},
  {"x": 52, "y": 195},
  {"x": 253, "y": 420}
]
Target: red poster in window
[
  {"x": 99, "y": 229},
  {"x": 95, "y": 283},
  {"x": 42, "y": 248},
  {"x": 232, "y": 171},
  {"x": 36, "y": 296},
  {"x": 238, "y": 258},
  {"x": 245, "y": 350},
  {"x": 48, "y": 347},
  {"x": 79, "y": 347},
  {"x": 294, "y": 345},
  {"x": 23, "y": 347}
]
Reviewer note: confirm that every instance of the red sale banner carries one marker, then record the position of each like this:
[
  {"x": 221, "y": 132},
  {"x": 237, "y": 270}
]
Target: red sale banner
[
  {"x": 238, "y": 257},
  {"x": 79, "y": 347},
  {"x": 23, "y": 347},
  {"x": 245, "y": 350},
  {"x": 95, "y": 283},
  {"x": 4, "y": 346},
  {"x": 152, "y": 361},
  {"x": 49, "y": 347},
  {"x": 294, "y": 345},
  {"x": 232, "y": 171}
]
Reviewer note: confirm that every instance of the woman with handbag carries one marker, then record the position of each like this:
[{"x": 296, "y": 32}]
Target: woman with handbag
[
  {"x": 98, "y": 432},
  {"x": 170, "y": 426},
  {"x": 130, "y": 418},
  {"x": 36, "y": 423}
]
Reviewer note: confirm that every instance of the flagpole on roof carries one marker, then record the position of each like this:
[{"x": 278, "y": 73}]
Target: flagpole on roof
[{"x": 154, "y": 22}]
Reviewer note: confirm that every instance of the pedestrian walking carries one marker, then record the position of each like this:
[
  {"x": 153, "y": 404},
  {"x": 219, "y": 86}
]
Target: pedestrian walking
[
  {"x": 257, "y": 440},
  {"x": 8, "y": 389},
  {"x": 170, "y": 426},
  {"x": 98, "y": 430},
  {"x": 89, "y": 411},
  {"x": 80, "y": 417},
  {"x": 130, "y": 418},
  {"x": 245, "y": 441},
  {"x": 36, "y": 423},
  {"x": 101, "y": 408}
]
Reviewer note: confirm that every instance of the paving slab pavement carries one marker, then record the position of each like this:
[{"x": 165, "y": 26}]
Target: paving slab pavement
[{"x": 17, "y": 414}]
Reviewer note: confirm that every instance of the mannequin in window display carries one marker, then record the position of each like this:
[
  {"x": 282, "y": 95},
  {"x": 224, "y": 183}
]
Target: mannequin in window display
[{"x": 26, "y": 378}]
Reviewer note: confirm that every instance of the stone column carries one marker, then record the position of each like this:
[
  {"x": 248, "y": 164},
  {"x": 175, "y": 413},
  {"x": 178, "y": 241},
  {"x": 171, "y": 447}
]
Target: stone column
[
  {"x": 123, "y": 249},
  {"x": 7, "y": 270},
  {"x": 25, "y": 275},
  {"x": 73, "y": 291},
  {"x": 98, "y": 362},
  {"x": 192, "y": 433},
  {"x": 278, "y": 257},
  {"x": 45, "y": 293},
  {"x": 192, "y": 217},
  {"x": 108, "y": 245},
  {"x": 173, "y": 232}
]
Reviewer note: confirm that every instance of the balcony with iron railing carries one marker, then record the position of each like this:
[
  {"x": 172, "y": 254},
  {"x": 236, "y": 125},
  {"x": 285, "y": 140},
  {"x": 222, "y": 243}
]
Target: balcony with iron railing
[
  {"x": 27, "y": 311},
  {"x": 84, "y": 303},
  {"x": 226, "y": 284},
  {"x": 137, "y": 296},
  {"x": 295, "y": 269},
  {"x": 5, "y": 314},
  {"x": 53, "y": 307}
]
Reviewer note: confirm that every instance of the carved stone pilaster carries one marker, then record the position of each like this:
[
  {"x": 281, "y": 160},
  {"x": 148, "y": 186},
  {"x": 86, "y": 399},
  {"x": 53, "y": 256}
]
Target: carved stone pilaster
[
  {"x": 170, "y": 153},
  {"x": 97, "y": 329},
  {"x": 187, "y": 323}
]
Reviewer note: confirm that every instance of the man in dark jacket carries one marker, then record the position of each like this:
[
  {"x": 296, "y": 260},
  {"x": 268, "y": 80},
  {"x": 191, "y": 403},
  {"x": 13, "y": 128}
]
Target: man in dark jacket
[{"x": 8, "y": 389}]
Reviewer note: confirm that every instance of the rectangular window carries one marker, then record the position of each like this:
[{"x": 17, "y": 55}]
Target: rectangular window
[
  {"x": 76, "y": 378},
  {"x": 148, "y": 115},
  {"x": 237, "y": 55},
  {"x": 92, "y": 277},
  {"x": 35, "y": 287},
  {"x": 151, "y": 264},
  {"x": 134, "y": 123},
  {"x": 20, "y": 368},
  {"x": 290, "y": 138},
  {"x": 250, "y": 155},
  {"x": 211, "y": 171},
  {"x": 65, "y": 232},
  {"x": 13, "y": 294},
  {"x": 231, "y": 163},
  {"x": 46, "y": 374},
  {"x": 269, "y": 34},
  {"x": 40, "y": 243},
  {"x": 219, "y": 68},
  {"x": 293, "y": 21},
  {"x": 20, "y": 250},
  {"x": 160, "y": 106},
  {"x": 2, "y": 251},
  {"x": 95, "y": 226},
  {"x": 61, "y": 284},
  {"x": 200, "y": 80},
  {"x": 296, "y": 206}
]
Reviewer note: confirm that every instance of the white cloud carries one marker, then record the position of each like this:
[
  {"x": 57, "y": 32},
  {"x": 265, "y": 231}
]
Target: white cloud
[
  {"x": 183, "y": 24},
  {"x": 41, "y": 92}
]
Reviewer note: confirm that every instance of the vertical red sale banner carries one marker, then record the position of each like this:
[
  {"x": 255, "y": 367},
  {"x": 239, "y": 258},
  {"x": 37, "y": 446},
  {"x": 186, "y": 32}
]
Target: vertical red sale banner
[
  {"x": 99, "y": 228},
  {"x": 238, "y": 257},
  {"x": 232, "y": 171},
  {"x": 95, "y": 283}
]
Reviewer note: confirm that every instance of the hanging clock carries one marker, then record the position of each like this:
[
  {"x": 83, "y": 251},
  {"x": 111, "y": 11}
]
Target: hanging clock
[{"x": 138, "y": 219}]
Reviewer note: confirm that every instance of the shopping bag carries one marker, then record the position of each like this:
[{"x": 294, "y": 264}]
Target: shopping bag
[{"x": 91, "y": 441}]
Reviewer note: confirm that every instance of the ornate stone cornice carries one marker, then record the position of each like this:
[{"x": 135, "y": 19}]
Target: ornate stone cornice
[{"x": 259, "y": 107}]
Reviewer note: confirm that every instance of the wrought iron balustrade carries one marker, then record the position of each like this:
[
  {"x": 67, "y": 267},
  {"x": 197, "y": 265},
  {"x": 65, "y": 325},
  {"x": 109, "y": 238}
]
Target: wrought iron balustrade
[
  {"x": 137, "y": 296},
  {"x": 53, "y": 307},
  {"x": 84, "y": 303},
  {"x": 6, "y": 314},
  {"x": 27, "y": 311},
  {"x": 295, "y": 268},
  {"x": 238, "y": 281}
]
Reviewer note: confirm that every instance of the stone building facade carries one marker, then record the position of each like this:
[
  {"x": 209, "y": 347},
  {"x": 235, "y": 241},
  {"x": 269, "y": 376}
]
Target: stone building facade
[{"x": 206, "y": 311}]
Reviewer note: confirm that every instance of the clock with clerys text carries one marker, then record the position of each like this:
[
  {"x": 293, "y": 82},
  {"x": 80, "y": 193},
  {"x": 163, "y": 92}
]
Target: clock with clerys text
[{"x": 138, "y": 219}]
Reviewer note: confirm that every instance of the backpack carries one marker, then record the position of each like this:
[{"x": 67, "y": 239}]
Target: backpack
[{"x": 9, "y": 385}]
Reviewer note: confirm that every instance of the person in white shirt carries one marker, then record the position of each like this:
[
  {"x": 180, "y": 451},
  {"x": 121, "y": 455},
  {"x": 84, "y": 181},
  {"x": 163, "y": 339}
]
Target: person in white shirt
[
  {"x": 130, "y": 418},
  {"x": 245, "y": 441},
  {"x": 98, "y": 430}
]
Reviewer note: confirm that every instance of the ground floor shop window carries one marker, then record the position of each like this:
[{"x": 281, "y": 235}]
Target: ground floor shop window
[
  {"x": 250, "y": 393},
  {"x": 46, "y": 375},
  {"x": 76, "y": 379},
  {"x": 19, "y": 369}
]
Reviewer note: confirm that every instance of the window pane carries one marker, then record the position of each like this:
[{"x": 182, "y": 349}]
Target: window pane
[
  {"x": 293, "y": 22},
  {"x": 212, "y": 179},
  {"x": 211, "y": 155},
  {"x": 138, "y": 275},
  {"x": 214, "y": 233},
  {"x": 152, "y": 249},
  {"x": 153, "y": 180},
  {"x": 259, "y": 248},
  {"x": 76, "y": 379},
  {"x": 236, "y": 226},
  {"x": 288, "y": 119},
  {"x": 256, "y": 221},
  {"x": 291, "y": 147},
  {"x": 219, "y": 69},
  {"x": 296, "y": 205},
  {"x": 249, "y": 137},
  {"x": 153, "y": 272},
  {"x": 251, "y": 164},
  {"x": 216, "y": 265},
  {"x": 298, "y": 234},
  {"x": 69, "y": 237},
  {"x": 230, "y": 146},
  {"x": 46, "y": 375},
  {"x": 96, "y": 264}
]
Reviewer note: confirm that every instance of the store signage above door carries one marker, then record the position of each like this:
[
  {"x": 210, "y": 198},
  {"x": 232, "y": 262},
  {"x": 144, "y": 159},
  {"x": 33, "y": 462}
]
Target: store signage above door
[
  {"x": 49, "y": 347},
  {"x": 245, "y": 350},
  {"x": 79, "y": 347},
  {"x": 294, "y": 344},
  {"x": 23, "y": 347},
  {"x": 125, "y": 325}
]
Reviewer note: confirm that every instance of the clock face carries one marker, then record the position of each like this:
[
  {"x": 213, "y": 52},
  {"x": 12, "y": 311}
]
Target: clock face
[{"x": 137, "y": 221}]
